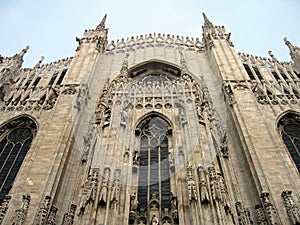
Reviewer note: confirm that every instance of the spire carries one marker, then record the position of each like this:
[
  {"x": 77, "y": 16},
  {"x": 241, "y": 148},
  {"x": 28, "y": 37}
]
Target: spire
[
  {"x": 101, "y": 26},
  {"x": 207, "y": 23},
  {"x": 294, "y": 53}
]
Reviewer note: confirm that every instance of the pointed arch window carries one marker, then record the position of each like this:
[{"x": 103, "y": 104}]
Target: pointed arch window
[
  {"x": 15, "y": 140},
  {"x": 154, "y": 177},
  {"x": 289, "y": 128}
]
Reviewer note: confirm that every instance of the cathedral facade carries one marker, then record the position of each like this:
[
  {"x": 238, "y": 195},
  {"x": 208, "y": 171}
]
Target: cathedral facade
[{"x": 151, "y": 130}]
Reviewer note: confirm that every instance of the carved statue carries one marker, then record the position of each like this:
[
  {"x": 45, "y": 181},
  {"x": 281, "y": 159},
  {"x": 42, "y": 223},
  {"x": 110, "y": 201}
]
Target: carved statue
[
  {"x": 204, "y": 194},
  {"x": 133, "y": 202},
  {"x": 136, "y": 158},
  {"x": 154, "y": 220}
]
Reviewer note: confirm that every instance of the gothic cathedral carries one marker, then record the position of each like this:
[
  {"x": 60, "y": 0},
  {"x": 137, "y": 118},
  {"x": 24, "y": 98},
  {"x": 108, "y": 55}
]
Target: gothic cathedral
[{"x": 151, "y": 130}]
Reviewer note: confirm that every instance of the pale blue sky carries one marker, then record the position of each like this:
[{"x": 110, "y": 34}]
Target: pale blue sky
[{"x": 49, "y": 27}]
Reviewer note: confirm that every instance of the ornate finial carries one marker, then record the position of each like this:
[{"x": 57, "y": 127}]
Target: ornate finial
[
  {"x": 207, "y": 23},
  {"x": 294, "y": 53},
  {"x": 101, "y": 26},
  {"x": 272, "y": 56},
  {"x": 39, "y": 62}
]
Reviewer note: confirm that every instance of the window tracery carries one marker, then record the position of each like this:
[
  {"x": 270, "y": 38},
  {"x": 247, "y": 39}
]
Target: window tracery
[
  {"x": 15, "y": 140},
  {"x": 154, "y": 177},
  {"x": 289, "y": 128}
]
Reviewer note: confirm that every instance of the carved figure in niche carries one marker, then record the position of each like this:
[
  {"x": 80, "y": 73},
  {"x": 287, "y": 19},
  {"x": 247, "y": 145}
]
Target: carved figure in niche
[
  {"x": 174, "y": 208},
  {"x": 104, "y": 188},
  {"x": 133, "y": 202},
  {"x": 223, "y": 190},
  {"x": 136, "y": 158},
  {"x": 204, "y": 194},
  {"x": 115, "y": 193},
  {"x": 154, "y": 220},
  {"x": 181, "y": 114},
  {"x": 124, "y": 115}
]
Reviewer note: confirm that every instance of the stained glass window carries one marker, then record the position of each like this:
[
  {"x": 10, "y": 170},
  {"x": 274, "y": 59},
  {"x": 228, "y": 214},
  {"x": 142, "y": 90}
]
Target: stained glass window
[
  {"x": 154, "y": 177},
  {"x": 15, "y": 141},
  {"x": 289, "y": 127}
]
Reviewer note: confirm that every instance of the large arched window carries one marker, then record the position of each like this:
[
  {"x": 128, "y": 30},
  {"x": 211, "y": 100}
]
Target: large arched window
[
  {"x": 154, "y": 177},
  {"x": 289, "y": 128},
  {"x": 15, "y": 140}
]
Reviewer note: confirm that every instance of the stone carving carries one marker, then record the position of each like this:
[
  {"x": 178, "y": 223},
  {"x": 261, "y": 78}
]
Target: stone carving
[
  {"x": 43, "y": 211},
  {"x": 292, "y": 209},
  {"x": 154, "y": 220},
  {"x": 203, "y": 188},
  {"x": 224, "y": 146},
  {"x": 82, "y": 97},
  {"x": 87, "y": 142},
  {"x": 174, "y": 208},
  {"x": 133, "y": 202},
  {"x": 152, "y": 40},
  {"x": 136, "y": 158},
  {"x": 243, "y": 214},
  {"x": 115, "y": 190},
  {"x": 89, "y": 189},
  {"x": 269, "y": 208},
  {"x": 69, "y": 89},
  {"x": 4, "y": 207},
  {"x": 211, "y": 33},
  {"x": 260, "y": 213},
  {"x": 191, "y": 184},
  {"x": 103, "y": 196},
  {"x": 51, "y": 220},
  {"x": 228, "y": 93},
  {"x": 69, "y": 216},
  {"x": 218, "y": 187},
  {"x": 295, "y": 54},
  {"x": 20, "y": 214}
]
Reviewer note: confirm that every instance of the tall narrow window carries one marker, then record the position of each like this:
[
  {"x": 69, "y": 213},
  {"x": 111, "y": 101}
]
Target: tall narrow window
[
  {"x": 289, "y": 128},
  {"x": 154, "y": 177},
  {"x": 15, "y": 141}
]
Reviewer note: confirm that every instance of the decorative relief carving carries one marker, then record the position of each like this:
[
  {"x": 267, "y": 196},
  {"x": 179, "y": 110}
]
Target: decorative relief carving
[
  {"x": 218, "y": 187},
  {"x": 243, "y": 214},
  {"x": 260, "y": 213},
  {"x": 174, "y": 209},
  {"x": 51, "y": 220},
  {"x": 292, "y": 208},
  {"x": 269, "y": 208},
  {"x": 69, "y": 216},
  {"x": 4, "y": 207},
  {"x": 20, "y": 214},
  {"x": 191, "y": 184},
  {"x": 43, "y": 211},
  {"x": 89, "y": 190},
  {"x": 152, "y": 40},
  {"x": 35, "y": 89}
]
